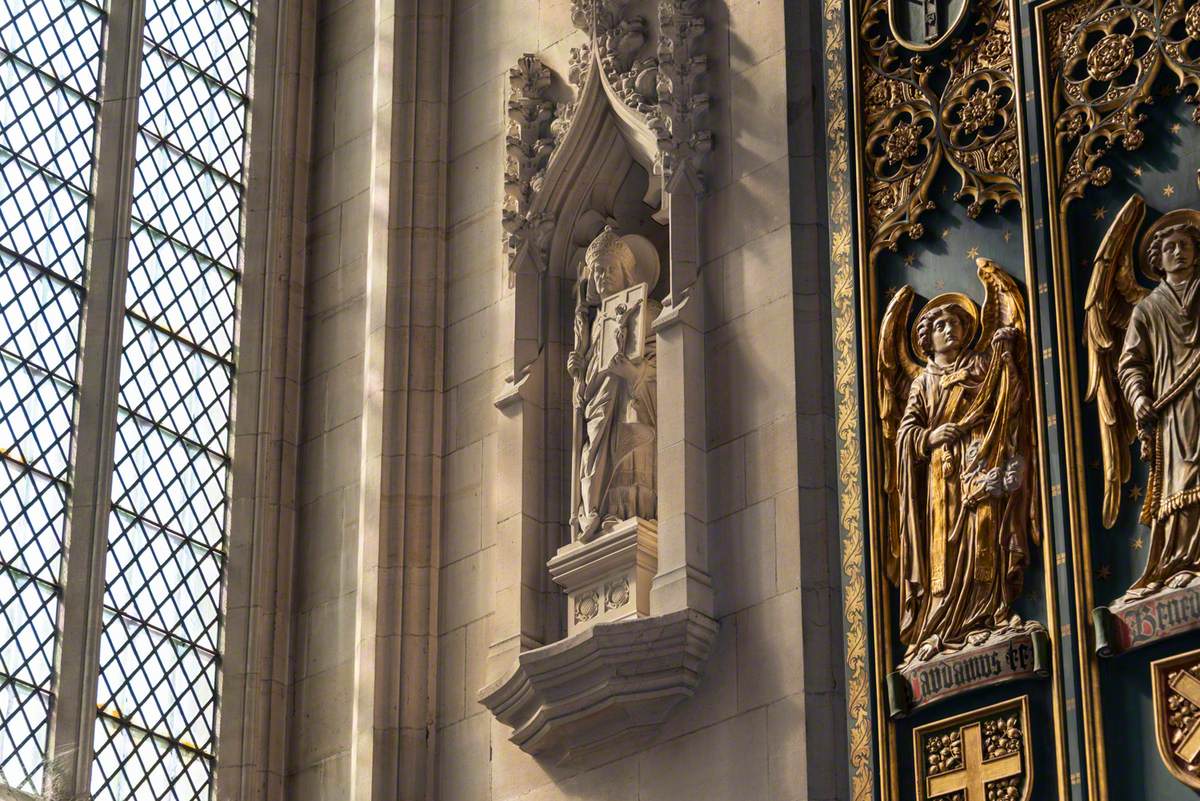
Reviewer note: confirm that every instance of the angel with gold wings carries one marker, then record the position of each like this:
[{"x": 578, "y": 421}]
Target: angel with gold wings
[
  {"x": 1144, "y": 376},
  {"x": 958, "y": 436}
]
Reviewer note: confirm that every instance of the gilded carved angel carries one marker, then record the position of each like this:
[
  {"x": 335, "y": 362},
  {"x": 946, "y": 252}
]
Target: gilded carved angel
[
  {"x": 958, "y": 440},
  {"x": 1144, "y": 376}
]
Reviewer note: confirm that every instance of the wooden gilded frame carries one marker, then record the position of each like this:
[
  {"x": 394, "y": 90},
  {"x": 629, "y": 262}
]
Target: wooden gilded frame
[
  {"x": 1063, "y": 186},
  {"x": 872, "y": 737}
]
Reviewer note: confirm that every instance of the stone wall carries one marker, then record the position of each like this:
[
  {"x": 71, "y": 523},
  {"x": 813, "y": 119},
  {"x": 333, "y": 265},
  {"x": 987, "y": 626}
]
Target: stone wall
[
  {"x": 332, "y": 405},
  {"x": 767, "y": 720}
]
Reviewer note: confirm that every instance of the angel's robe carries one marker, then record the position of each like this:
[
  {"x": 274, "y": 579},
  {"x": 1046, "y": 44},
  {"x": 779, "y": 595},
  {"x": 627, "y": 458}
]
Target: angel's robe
[
  {"x": 961, "y": 553},
  {"x": 618, "y": 455},
  {"x": 1160, "y": 360}
]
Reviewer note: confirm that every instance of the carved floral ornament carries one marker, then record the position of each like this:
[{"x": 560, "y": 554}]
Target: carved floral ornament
[
  {"x": 983, "y": 755},
  {"x": 924, "y": 107},
  {"x": 1106, "y": 57}
]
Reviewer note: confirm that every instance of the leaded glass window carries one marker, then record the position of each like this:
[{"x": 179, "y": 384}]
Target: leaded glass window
[
  {"x": 179, "y": 202},
  {"x": 49, "y": 98}
]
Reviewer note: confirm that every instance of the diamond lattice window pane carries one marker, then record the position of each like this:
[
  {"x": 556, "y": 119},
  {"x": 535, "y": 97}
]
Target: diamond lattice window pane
[
  {"x": 211, "y": 35},
  {"x": 170, "y": 582},
  {"x": 172, "y": 382},
  {"x": 27, "y": 614},
  {"x": 45, "y": 123},
  {"x": 159, "y": 674},
  {"x": 24, "y": 729},
  {"x": 50, "y": 52},
  {"x": 42, "y": 218},
  {"x": 157, "y": 683},
  {"x": 192, "y": 112},
  {"x": 186, "y": 200},
  {"x": 39, "y": 318},
  {"x": 33, "y": 512},
  {"x": 35, "y": 411},
  {"x": 60, "y": 38},
  {"x": 132, "y": 764},
  {"x": 168, "y": 482},
  {"x": 184, "y": 292}
]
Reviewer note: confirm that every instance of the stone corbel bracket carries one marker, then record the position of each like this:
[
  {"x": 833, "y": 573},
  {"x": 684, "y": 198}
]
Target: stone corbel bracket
[
  {"x": 605, "y": 690},
  {"x": 639, "y": 99}
]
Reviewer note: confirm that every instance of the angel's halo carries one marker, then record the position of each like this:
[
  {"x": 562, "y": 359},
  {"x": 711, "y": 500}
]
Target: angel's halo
[
  {"x": 946, "y": 299},
  {"x": 1170, "y": 219}
]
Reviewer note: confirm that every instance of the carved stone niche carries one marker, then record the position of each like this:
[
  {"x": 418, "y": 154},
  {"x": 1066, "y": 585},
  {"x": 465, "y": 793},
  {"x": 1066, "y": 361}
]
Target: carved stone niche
[{"x": 580, "y": 677}]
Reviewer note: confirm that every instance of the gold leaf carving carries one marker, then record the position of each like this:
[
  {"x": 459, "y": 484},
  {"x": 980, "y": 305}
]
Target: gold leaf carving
[
  {"x": 919, "y": 111},
  {"x": 854, "y": 601},
  {"x": 1105, "y": 57}
]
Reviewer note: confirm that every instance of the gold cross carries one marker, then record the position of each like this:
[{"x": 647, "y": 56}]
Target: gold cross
[
  {"x": 1188, "y": 686},
  {"x": 976, "y": 773}
]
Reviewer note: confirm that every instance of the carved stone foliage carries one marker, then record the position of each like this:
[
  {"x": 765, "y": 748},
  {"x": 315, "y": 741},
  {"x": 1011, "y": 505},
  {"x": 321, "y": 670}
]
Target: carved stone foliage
[
  {"x": 655, "y": 72},
  {"x": 1106, "y": 56},
  {"x": 956, "y": 103},
  {"x": 660, "y": 81},
  {"x": 530, "y": 143},
  {"x": 619, "y": 43}
]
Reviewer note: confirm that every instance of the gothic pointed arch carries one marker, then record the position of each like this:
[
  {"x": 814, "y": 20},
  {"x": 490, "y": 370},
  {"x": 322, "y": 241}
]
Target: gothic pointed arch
[{"x": 624, "y": 153}]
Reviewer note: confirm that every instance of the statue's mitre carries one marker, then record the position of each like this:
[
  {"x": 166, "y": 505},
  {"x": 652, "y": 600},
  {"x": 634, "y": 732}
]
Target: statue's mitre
[
  {"x": 611, "y": 245},
  {"x": 633, "y": 254}
]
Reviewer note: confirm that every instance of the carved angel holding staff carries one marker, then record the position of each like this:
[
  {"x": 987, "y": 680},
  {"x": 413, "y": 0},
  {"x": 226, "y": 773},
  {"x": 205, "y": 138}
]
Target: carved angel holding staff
[
  {"x": 1144, "y": 376},
  {"x": 958, "y": 437}
]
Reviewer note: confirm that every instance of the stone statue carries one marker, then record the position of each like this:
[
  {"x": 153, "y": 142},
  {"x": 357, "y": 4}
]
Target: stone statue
[
  {"x": 1144, "y": 376},
  {"x": 958, "y": 443},
  {"x": 614, "y": 375}
]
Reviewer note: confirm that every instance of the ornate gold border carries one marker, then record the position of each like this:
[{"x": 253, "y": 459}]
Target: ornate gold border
[
  {"x": 1077, "y": 515},
  {"x": 1029, "y": 224},
  {"x": 846, "y": 392},
  {"x": 853, "y": 537}
]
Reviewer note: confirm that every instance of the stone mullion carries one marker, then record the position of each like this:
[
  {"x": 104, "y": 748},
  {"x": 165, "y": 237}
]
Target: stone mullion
[
  {"x": 391, "y": 748},
  {"x": 72, "y": 733},
  {"x": 255, "y": 668}
]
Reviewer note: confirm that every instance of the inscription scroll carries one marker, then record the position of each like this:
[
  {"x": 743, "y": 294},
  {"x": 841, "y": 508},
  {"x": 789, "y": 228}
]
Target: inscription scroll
[{"x": 1021, "y": 657}]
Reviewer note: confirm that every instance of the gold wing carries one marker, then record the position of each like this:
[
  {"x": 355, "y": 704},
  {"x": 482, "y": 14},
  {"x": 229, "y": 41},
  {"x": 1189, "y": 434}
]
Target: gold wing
[
  {"x": 1003, "y": 304},
  {"x": 896, "y": 370},
  {"x": 1004, "y": 307},
  {"x": 1112, "y": 293}
]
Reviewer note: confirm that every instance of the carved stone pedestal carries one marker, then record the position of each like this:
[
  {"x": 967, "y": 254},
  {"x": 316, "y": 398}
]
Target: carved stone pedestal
[{"x": 608, "y": 579}]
